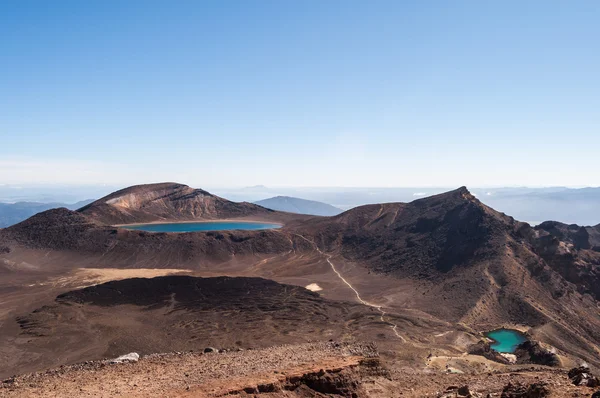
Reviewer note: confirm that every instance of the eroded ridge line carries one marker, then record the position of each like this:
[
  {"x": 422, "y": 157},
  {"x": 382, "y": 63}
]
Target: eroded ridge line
[{"x": 377, "y": 307}]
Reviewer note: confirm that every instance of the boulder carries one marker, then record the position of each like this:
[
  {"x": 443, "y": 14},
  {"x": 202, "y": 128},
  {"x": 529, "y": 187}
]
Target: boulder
[
  {"x": 131, "y": 357},
  {"x": 210, "y": 349},
  {"x": 459, "y": 392},
  {"x": 579, "y": 370},
  {"x": 596, "y": 394},
  {"x": 581, "y": 376},
  {"x": 586, "y": 380},
  {"x": 518, "y": 390}
]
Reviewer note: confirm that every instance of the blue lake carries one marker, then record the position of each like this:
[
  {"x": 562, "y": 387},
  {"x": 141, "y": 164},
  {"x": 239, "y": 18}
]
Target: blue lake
[
  {"x": 201, "y": 226},
  {"x": 506, "y": 340}
]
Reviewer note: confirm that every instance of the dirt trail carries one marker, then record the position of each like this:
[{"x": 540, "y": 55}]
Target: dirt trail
[{"x": 376, "y": 306}]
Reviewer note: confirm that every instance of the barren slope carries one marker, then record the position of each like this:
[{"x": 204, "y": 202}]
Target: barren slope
[
  {"x": 172, "y": 202},
  {"x": 310, "y": 370},
  {"x": 477, "y": 266},
  {"x": 446, "y": 262},
  {"x": 180, "y": 313}
]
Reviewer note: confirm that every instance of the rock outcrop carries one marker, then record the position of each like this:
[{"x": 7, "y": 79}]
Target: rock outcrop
[
  {"x": 582, "y": 376},
  {"x": 459, "y": 392},
  {"x": 484, "y": 349},
  {"x": 533, "y": 352},
  {"x": 517, "y": 390}
]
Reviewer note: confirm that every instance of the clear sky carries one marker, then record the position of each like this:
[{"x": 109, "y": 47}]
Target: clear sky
[{"x": 300, "y": 93}]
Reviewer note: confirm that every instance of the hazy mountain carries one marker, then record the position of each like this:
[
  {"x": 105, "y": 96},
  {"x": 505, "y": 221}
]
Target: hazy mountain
[
  {"x": 13, "y": 213},
  {"x": 567, "y": 205},
  {"x": 533, "y": 205},
  {"x": 52, "y": 193},
  {"x": 297, "y": 205}
]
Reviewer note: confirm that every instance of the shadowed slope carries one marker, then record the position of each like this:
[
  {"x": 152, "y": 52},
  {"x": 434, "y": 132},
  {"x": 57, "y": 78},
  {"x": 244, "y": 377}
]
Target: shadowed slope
[
  {"x": 424, "y": 237},
  {"x": 64, "y": 230},
  {"x": 573, "y": 251},
  {"x": 476, "y": 266},
  {"x": 181, "y": 313}
]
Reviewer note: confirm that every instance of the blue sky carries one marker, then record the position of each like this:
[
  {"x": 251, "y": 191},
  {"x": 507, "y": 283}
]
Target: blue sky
[{"x": 305, "y": 93}]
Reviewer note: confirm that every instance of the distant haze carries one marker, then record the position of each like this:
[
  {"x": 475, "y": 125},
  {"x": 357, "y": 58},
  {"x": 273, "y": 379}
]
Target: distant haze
[
  {"x": 13, "y": 213},
  {"x": 534, "y": 205},
  {"x": 300, "y": 206}
]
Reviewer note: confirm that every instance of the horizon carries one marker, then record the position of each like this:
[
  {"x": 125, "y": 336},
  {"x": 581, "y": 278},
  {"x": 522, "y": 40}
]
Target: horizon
[
  {"x": 309, "y": 94},
  {"x": 261, "y": 186}
]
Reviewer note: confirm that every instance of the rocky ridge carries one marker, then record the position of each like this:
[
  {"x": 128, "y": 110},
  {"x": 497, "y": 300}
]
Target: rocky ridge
[{"x": 170, "y": 202}]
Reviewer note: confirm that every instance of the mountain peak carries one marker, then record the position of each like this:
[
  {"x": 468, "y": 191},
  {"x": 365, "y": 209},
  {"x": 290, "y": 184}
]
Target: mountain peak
[
  {"x": 462, "y": 192},
  {"x": 457, "y": 196},
  {"x": 169, "y": 201},
  {"x": 155, "y": 187}
]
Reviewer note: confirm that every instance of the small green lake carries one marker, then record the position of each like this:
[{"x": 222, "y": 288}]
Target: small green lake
[{"x": 506, "y": 340}]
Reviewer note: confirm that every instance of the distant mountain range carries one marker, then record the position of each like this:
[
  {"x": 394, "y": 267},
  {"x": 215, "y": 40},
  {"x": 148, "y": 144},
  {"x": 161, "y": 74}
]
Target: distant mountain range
[
  {"x": 533, "y": 205},
  {"x": 12, "y": 213},
  {"x": 300, "y": 206},
  {"x": 567, "y": 205}
]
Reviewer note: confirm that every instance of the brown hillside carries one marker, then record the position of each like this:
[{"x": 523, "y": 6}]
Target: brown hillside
[
  {"x": 476, "y": 265},
  {"x": 172, "y": 202},
  {"x": 421, "y": 238},
  {"x": 181, "y": 313},
  {"x": 443, "y": 260}
]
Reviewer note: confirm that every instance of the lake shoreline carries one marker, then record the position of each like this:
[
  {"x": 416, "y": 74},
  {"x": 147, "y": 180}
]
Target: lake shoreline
[
  {"x": 499, "y": 339},
  {"x": 200, "y": 222},
  {"x": 202, "y": 226}
]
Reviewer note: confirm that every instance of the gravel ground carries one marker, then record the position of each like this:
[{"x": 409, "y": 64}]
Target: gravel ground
[{"x": 175, "y": 374}]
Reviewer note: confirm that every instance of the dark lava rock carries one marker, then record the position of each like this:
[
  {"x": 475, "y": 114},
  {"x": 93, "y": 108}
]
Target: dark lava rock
[
  {"x": 577, "y": 371},
  {"x": 581, "y": 376},
  {"x": 532, "y": 352},
  {"x": 517, "y": 390},
  {"x": 326, "y": 383},
  {"x": 596, "y": 394},
  {"x": 210, "y": 349},
  {"x": 484, "y": 349},
  {"x": 458, "y": 392}
]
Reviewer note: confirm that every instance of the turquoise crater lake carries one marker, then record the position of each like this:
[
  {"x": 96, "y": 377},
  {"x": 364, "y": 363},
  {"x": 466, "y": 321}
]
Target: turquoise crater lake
[
  {"x": 506, "y": 340},
  {"x": 202, "y": 226}
]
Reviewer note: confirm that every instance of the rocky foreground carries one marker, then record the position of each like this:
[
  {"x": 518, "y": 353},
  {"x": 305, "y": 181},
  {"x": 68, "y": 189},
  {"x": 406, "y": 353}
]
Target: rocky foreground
[{"x": 308, "y": 370}]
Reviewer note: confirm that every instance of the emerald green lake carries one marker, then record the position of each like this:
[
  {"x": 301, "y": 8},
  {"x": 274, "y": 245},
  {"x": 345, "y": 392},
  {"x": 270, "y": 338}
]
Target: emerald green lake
[
  {"x": 202, "y": 226},
  {"x": 506, "y": 340}
]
